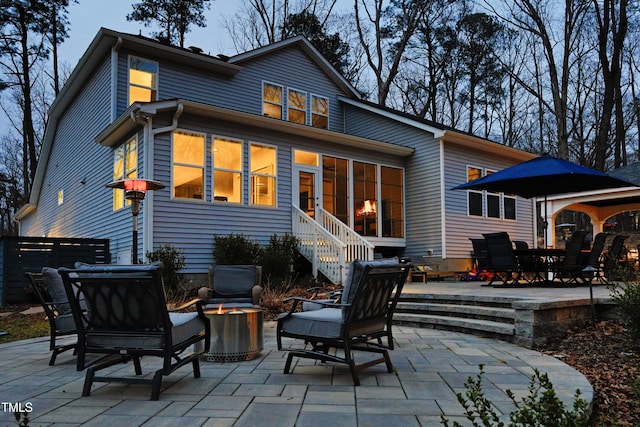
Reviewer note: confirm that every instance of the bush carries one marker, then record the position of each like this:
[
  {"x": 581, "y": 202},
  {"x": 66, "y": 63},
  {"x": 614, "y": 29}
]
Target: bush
[
  {"x": 236, "y": 249},
  {"x": 278, "y": 257},
  {"x": 627, "y": 298},
  {"x": 541, "y": 407},
  {"x": 173, "y": 260}
]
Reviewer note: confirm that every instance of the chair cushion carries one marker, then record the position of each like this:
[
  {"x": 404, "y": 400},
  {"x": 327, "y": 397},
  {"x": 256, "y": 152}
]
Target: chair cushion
[
  {"x": 55, "y": 287},
  {"x": 185, "y": 325},
  {"x": 65, "y": 322},
  {"x": 356, "y": 269},
  {"x": 234, "y": 280},
  {"x": 324, "y": 323}
]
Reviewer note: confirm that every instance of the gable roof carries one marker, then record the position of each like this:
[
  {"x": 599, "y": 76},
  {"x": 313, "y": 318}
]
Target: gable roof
[{"x": 310, "y": 50}]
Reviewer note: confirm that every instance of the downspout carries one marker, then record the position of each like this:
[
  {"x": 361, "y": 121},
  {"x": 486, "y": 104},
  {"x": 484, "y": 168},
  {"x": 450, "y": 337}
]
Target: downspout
[
  {"x": 443, "y": 225},
  {"x": 149, "y": 136},
  {"x": 114, "y": 77}
]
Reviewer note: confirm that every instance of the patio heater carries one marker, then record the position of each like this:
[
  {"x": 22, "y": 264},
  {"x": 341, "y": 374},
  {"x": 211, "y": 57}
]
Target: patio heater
[{"x": 135, "y": 189}]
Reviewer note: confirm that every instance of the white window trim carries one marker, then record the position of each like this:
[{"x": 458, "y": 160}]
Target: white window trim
[
  {"x": 485, "y": 203},
  {"x": 311, "y": 113},
  {"x": 203, "y": 167},
  {"x": 307, "y": 107},
  {"x": 214, "y": 168},
  {"x": 282, "y": 103},
  {"x": 129, "y": 84},
  {"x": 251, "y": 174}
]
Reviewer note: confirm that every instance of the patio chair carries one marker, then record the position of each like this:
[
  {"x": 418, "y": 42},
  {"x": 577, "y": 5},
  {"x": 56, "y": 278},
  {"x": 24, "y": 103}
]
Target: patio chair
[
  {"x": 611, "y": 267},
  {"x": 479, "y": 260},
  {"x": 128, "y": 319},
  {"x": 569, "y": 269},
  {"x": 502, "y": 262},
  {"x": 49, "y": 289},
  {"x": 528, "y": 264},
  {"x": 358, "y": 325},
  {"x": 234, "y": 286},
  {"x": 595, "y": 255}
]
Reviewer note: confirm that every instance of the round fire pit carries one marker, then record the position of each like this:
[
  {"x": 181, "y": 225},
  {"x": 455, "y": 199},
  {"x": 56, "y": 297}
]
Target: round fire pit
[{"x": 236, "y": 334}]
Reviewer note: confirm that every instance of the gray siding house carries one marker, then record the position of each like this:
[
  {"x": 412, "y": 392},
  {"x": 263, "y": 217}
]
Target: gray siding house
[{"x": 270, "y": 141}]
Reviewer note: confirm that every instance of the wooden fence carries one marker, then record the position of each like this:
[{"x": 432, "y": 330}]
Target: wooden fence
[{"x": 19, "y": 255}]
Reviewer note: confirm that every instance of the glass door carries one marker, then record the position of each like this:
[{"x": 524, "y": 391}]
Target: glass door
[{"x": 306, "y": 194}]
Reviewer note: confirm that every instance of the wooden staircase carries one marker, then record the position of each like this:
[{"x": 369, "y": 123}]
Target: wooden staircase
[{"x": 478, "y": 315}]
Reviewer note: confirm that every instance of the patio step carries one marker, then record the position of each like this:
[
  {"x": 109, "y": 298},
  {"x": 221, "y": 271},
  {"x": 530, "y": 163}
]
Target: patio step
[{"x": 486, "y": 316}]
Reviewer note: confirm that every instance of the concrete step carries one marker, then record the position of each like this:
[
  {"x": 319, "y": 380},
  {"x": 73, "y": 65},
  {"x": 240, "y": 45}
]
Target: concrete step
[
  {"x": 500, "y": 330},
  {"x": 496, "y": 314}
]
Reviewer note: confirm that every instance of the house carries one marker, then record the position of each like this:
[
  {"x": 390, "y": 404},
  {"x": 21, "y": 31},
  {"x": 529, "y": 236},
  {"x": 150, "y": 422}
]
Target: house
[{"x": 270, "y": 141}]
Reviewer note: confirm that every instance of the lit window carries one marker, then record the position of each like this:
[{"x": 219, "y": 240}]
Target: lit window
[
  {"x": 60, "y": 197},
  {"x": 335, "y": 187},
  {"x": 125, "y": 166},
  {"x": 143, "y": 80},
  {"x": 305, "y": 158},
  {"x": 392, "y": 209},
  {"x": 272, "y": 100},
  {"x": 365, "y": 198},
  {"x": 227, "y": 170},
  {"x": 188, "y": 165},
  {"x": 474, "y": 198},
  {"x": 263, "y": 175},
  {"x": 297, "y": 106},
  {"x": 319, "y": 112}
]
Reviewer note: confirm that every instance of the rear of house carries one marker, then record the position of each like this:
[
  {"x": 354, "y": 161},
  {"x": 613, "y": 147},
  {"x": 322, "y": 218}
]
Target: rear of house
[{"x": 271, "y": 141}]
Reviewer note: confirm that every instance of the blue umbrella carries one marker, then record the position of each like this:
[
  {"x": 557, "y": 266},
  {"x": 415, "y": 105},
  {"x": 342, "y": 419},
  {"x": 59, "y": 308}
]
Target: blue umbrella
[{"x": 542, "y": 176}]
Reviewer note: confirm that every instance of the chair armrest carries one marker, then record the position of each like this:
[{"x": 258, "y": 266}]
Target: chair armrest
[{"x": 199, "y": 303}]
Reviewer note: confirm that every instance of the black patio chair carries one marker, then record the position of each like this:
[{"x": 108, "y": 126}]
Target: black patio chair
[
  {"x": 528, "y": 264},
  {"x": 569, "y": 268},
  {"x": 502, "y": 262},
  {"x": 595, "y": 257},
  {"x": 611, "y": 268},
  {"x": 127, "y": 318},
  {"x": 479, "y": 260},
  {"x": 358, "y": 325},
  {"x": 49, "y": 289}
]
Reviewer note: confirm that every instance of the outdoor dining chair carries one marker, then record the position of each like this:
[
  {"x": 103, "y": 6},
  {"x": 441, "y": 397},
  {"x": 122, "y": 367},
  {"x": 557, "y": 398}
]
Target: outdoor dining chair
[
  {"x": 129, "y": 319},
  {"x": 611, "y": 269},
  {"x": 332, "y": 333},
  {"x": 502, "y": 262},
  {"x": 569, "y": 269}
]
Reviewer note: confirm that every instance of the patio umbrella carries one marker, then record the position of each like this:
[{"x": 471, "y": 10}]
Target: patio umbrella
[{"x": 542, "y": 176}]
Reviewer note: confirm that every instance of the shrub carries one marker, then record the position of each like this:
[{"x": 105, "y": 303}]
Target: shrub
[
  {"x": 278, "y": 257},
  {"x": 235, "y": 249},
  {"x": 173, "y": 260},
  {"x": 627, "y": 299},
  {"x": 541, "y": 407}
]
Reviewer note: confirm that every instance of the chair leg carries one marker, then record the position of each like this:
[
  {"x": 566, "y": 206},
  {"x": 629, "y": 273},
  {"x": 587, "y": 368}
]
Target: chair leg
[
  {"x": 136, "y": 365},
  {"x": 287, "y": 365},
  {"x": 88, "y": 381},
  {"x": 196, "y": 367},
  {"x": 156, "y": 384}
]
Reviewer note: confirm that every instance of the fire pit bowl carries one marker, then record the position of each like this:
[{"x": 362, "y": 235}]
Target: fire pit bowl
[{"x": 236, "y": 334}]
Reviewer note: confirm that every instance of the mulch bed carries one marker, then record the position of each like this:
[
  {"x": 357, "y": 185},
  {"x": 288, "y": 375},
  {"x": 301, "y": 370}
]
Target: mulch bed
[{"x": 604, "y": 354}]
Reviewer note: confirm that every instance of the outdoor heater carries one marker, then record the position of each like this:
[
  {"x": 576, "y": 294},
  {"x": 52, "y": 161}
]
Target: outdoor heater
[{"x": 135, "y": 189}]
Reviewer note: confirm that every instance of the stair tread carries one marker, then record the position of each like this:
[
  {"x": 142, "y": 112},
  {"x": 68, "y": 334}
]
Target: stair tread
[
  {"x": 510, "y": 312},
  {"x": 487, "y": 325}
]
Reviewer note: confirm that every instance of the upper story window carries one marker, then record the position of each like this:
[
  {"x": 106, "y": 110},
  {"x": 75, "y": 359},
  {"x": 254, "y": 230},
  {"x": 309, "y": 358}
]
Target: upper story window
[
  {"x": 125, "y": 166},
  {"x": 263, "y": 175},
  {"x": 227, "y": 170},
  {"x": 188, "y": 165},
  {"x": 487, "y": 204},
  {"x": 143, "y": 80},
  {"x": 297, "y": 106},
  {"x": 272, "y": 100},
  {"x": 319, "y": 112}
]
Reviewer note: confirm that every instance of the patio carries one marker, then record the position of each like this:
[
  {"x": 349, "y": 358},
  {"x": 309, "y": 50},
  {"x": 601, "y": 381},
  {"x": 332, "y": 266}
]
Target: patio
[{"x": 431, "y": 366}]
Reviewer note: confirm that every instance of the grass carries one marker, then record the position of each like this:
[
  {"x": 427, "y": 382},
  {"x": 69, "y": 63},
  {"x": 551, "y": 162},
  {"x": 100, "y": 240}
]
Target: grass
[{"x": 22, "y": 326}]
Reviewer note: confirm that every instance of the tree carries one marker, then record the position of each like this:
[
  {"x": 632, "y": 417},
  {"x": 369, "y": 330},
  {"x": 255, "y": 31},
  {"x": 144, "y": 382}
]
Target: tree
[
  {"x": 329, "y": 45},
  {"x": 175, "y": 17}
]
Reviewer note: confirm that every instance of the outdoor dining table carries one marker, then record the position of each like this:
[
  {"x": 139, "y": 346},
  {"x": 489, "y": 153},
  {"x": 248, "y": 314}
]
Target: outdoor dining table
[{"x": 542, "y": 261}]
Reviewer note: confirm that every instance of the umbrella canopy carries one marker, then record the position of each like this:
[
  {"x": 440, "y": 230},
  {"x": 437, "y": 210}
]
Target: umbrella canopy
[{"x": 543, "y": 176}]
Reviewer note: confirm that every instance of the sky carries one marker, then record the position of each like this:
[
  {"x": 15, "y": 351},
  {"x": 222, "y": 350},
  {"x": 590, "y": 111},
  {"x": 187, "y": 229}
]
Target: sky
[{"x": 87, "y": 16}]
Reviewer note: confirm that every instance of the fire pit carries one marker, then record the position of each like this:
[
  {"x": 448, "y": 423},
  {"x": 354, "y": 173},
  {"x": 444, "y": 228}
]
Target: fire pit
[{"x": 236, "y": 334}]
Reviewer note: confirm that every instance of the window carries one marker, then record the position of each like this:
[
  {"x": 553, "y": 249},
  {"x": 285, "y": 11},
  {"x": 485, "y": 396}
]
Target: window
[
  {"x": 392, "y": 202},
  {"x": 488, "y": 204},
  {"x": 319, "y": 112},
  {"x": 188, "y": 165},
  {"x": 125, "y": 166},
  {"x": 305, "y": 158},
  {"x": 335, "y": 187},
  {"x": 227, "y": 170},
  {"x": 263, "y": 175},
  {"x": 297, "y": 106},
  {"x": 365, "y": 190},
  {"x": 272, "y": 100},
  {"x": 143, "y": 80},
  {"x": 60, "y": 197}
]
